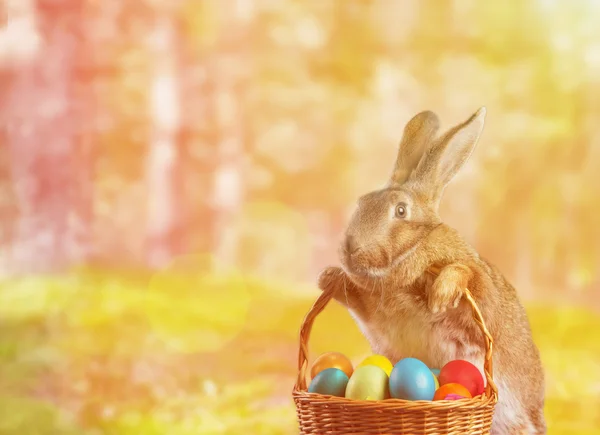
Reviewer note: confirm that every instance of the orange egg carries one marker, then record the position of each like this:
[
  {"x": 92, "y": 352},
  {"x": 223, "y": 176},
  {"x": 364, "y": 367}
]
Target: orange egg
[
  {"x": 446, "y": 389},
  {"x": 330, "y": 360}
]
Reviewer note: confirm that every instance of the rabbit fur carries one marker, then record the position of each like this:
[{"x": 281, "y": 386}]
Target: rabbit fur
[{"x": 394, "y": 236}]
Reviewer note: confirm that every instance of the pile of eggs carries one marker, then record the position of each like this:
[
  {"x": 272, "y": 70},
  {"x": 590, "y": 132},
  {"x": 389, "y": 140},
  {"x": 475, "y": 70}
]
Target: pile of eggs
[{"x": 376, "y": 378}]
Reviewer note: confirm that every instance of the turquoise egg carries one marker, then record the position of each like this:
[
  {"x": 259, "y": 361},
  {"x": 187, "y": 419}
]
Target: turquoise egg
[
  {"x": 436, "y": 372},
  {"x": 330, "y": 381},
  {"x": 411, "y": 379}
]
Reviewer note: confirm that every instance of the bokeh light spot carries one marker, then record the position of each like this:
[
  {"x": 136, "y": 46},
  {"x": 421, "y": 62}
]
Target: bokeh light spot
[{"x": 206, "y": 308}]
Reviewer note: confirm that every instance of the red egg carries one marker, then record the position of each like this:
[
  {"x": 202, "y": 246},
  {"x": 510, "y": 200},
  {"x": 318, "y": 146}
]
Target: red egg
[{"x": 463, "y": 373}]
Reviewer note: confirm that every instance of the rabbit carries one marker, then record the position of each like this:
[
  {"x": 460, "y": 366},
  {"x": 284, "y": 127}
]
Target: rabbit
[{"x": 394, "y": 236}]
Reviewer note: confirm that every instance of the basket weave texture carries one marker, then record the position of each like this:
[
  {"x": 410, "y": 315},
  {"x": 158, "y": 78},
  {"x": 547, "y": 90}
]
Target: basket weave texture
[{"x": 323, "y": 415}]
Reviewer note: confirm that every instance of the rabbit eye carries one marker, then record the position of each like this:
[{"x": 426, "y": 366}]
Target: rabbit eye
[{"x": 401, "y": 210}]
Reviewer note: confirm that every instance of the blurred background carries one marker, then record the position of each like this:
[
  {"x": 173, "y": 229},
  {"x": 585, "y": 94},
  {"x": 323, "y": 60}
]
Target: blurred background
[{"x": 175, "y": 173}]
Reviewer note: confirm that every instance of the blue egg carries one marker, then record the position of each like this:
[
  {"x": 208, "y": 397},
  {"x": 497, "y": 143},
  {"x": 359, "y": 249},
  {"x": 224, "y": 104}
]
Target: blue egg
[
  {"x": 436, "y": 372},
  {"x": 411, "y": 379},
  {"x": 330, "y": 381}
]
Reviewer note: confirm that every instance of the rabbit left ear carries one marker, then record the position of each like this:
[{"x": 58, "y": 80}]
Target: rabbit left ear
[
  {"x": 418, "y": 133},
  {"x": 446, "y": 156}
]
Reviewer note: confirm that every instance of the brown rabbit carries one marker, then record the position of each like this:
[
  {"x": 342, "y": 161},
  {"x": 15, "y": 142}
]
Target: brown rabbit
[{"x": 394, "y": 236}]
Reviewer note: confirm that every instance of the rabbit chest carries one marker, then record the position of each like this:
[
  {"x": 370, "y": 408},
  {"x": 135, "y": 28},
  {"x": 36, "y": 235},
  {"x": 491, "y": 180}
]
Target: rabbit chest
[{"x": 403, "y": 327}]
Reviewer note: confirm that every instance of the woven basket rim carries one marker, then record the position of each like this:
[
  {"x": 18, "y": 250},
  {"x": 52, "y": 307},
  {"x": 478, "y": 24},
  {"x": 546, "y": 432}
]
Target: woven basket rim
[
  {"x": 488, "y": 398},
  {"x": 481, "y": 401}
]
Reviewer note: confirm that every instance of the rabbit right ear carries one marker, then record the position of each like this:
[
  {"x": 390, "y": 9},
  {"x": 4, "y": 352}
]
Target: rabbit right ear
[
  {"x": 418, "y": 133},
  {"x": 448, "y": 154}
]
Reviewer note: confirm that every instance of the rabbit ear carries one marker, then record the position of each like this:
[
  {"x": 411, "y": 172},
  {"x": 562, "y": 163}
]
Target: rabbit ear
[
  {"x": 448, "y": 154},
  {"x": 418, "y": 133}
]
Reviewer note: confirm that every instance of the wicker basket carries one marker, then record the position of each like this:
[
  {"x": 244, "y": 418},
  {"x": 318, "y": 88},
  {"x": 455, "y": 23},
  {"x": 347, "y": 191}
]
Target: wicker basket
[{"x": 322, "y": 414}]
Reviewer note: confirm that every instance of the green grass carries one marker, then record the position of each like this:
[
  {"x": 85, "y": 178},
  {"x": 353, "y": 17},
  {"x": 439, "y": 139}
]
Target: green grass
[{"x": 178, "y": 354}]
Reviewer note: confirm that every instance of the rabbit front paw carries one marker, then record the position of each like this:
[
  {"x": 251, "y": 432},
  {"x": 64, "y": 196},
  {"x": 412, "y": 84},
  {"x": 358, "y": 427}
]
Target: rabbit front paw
[
  {"x": 448, "y": 288},
  {"x": 343, "y": 290},
  {"x": 329, "y": 277}
]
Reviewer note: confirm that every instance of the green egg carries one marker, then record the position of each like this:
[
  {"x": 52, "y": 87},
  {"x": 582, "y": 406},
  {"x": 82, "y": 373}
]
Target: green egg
[
  {"x": 330, "y": 381},
  {"x": 368, "y": 383}
]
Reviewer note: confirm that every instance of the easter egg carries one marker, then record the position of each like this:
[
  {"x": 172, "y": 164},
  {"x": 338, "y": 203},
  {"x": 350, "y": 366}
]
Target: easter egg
[
  {"x": 451, "y": 389},
  {"x": 379, "y": 361},
  {"x": 368, "y": 383},
  {"x": 330, "y": 360},
  {"x": 436, "y": 373},
  {"x": 453, "y": 397},
  {"x": 330, "y": 381},
  {"x": 464, "y": 373},
  {"x": 437, "y": 383},
  {"x": 411, "y": 379}
]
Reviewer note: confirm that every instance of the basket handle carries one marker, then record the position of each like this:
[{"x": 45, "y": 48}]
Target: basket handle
[{"x": 326, "y": 296}]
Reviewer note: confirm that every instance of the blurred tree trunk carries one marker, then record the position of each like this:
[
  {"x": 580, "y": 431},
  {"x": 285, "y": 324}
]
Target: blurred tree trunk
[
  {"x": 227, "y": 73},
  {"x": 204, "y": 212},
  {"x": 42, "y": 133},
  {"x": 85, "y": 153},
  {"x": 163, "y": 172}
]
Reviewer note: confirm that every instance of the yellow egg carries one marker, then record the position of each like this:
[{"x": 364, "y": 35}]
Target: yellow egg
[
  {"x": 378, "y": 361},
  {"x": 368, "y": 382},
  {"x": 436, "y": 373}
]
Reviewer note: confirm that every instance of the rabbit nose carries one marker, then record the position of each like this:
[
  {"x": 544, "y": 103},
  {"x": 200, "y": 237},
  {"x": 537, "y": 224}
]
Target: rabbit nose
[{"x": 351, "y": 245}]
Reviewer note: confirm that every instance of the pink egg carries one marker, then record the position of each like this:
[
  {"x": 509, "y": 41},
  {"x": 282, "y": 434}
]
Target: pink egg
[{"x": 453, "y": 397}]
